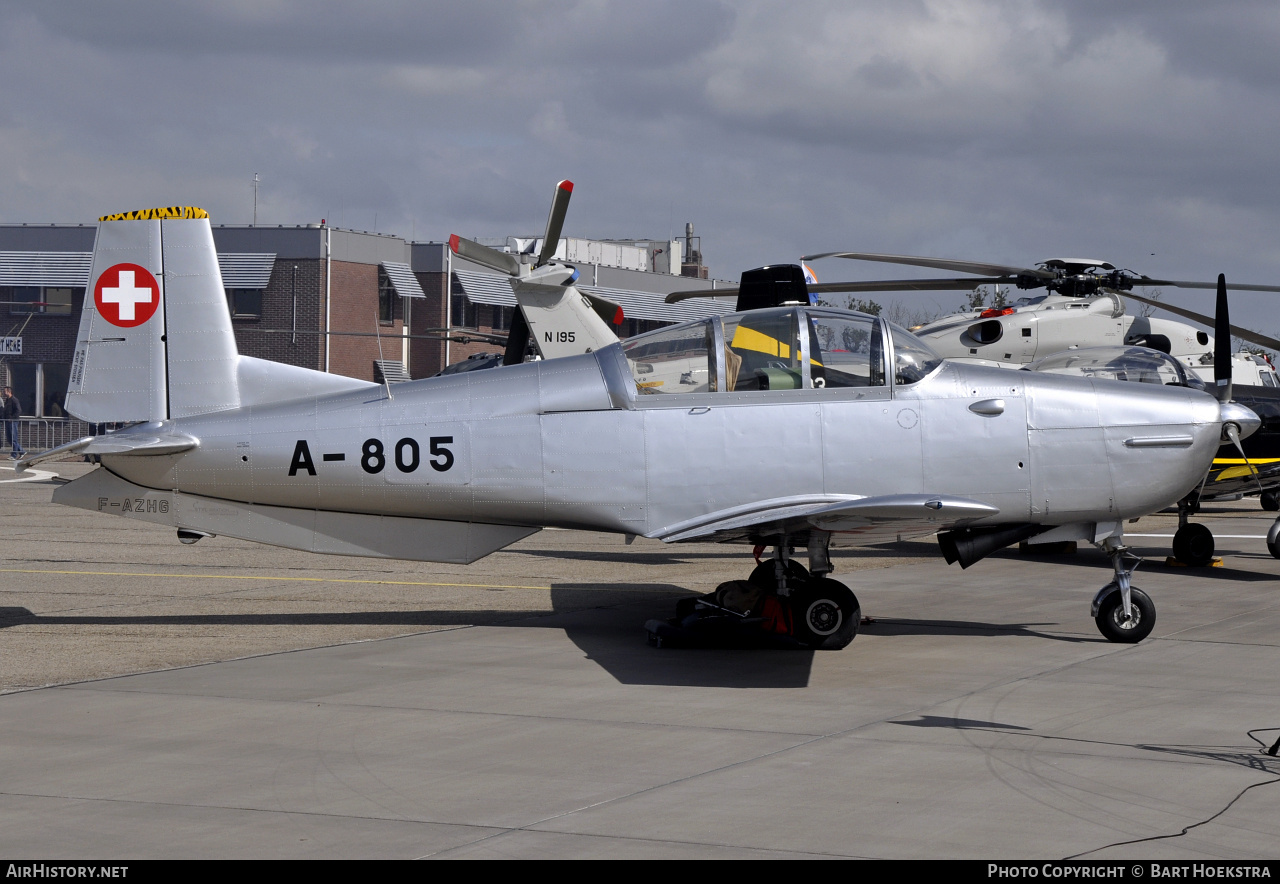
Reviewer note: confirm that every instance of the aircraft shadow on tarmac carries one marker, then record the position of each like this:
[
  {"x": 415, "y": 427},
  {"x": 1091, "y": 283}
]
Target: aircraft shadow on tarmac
[
  {"x": 1153, "y": 562},
  {"x": 888, "y": 626},
  {"x": 613, "y": 636},
  {"x": 605, "y": 621},
  {"x": 963, "y": 724}
]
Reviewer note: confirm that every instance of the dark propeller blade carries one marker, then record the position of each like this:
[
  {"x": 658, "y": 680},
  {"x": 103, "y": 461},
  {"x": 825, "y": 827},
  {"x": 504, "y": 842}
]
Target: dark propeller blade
[
  {"x": 1243, "y": 334},
  {"x": 1222, "y": 343},
  {"x": 555, "y": 221},
  {"x": 939, "y": 264}
]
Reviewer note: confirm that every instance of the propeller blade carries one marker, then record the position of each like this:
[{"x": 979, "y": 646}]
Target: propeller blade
[
  {"x": 1222, "y": 343},
  {"x": 555, "y": 221},
  {"x": 503, "y": 262},
  {"x": 938, "y": 264},
  {"x": 1243, "y": 334}
]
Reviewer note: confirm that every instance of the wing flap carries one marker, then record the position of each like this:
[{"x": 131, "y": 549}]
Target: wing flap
[{"x": 868, "y": 517}]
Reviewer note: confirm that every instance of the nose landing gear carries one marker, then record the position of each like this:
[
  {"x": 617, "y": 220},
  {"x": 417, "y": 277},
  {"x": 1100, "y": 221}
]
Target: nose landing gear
[{"x": 1123, "y": 613}]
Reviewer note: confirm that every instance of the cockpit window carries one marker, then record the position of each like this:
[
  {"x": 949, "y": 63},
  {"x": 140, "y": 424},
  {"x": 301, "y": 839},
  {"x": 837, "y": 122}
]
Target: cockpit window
[
  {"x": 847, "y": 351},
  {"x": 762, "y": 351},
  {"x": 673, "y": 360},
  {"x": 913, "y": 358}
]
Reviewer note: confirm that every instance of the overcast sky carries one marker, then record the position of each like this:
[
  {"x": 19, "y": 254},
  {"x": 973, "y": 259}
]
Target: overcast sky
[{"x": 1143, "y": 133}]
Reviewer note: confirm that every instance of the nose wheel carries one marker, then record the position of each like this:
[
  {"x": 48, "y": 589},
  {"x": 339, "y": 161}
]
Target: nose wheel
[
  {"x": 1123, "y": 613},
  {"x": 1129, "y": 628}
]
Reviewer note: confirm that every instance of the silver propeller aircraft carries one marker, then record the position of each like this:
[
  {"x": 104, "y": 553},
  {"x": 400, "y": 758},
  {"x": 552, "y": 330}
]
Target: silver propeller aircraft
[
  {"x": 795, "y": 427},
  {"x": 1079, "y": 326}
]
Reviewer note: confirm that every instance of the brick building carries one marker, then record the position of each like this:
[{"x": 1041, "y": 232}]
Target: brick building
[{"x": 349, "y": 302}]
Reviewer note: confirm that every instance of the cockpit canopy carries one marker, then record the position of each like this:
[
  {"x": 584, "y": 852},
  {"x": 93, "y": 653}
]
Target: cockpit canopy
[
  {"x": 766, "y": 350},
  {"x": 1134, "y": 364}
]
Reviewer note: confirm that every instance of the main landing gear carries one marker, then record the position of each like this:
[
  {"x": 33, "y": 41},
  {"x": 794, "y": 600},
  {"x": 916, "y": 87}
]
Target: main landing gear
[
  {"x": 781, "y": 605},
  {"x": 1192, "y": 543},
  {"x": 1123, "y": 612}
]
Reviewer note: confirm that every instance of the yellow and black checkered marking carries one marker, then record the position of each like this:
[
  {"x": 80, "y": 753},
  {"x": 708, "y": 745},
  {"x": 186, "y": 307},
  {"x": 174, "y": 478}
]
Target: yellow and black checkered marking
[{"x": 158, "y": 214}]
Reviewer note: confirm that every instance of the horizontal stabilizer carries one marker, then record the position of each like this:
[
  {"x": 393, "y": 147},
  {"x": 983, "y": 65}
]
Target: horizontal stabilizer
[
  {"x": 318, "y": 531},
  {"x": 133, "y": 443},
  {"x": 890, "y": 515}
]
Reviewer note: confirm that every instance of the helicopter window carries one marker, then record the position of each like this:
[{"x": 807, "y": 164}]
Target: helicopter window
[
  {"x": 913, "y": 359},
  {"x": 672, "y": 360},
  {"x": 848, "y": 351},
  {"x": 1027, "y": 302},
  {"x": 762, "y": 351}
]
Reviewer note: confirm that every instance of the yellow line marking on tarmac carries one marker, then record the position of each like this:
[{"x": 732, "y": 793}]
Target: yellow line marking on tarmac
[{"x": 258, "y": 577}]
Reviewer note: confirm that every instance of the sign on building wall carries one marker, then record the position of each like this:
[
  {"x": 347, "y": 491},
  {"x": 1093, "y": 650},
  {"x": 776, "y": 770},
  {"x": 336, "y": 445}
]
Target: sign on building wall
[{"x": 11, "y": 346}]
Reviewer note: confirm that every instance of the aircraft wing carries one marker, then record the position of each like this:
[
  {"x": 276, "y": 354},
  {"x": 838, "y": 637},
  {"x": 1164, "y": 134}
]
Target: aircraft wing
[{"x": 869, "y": 518}]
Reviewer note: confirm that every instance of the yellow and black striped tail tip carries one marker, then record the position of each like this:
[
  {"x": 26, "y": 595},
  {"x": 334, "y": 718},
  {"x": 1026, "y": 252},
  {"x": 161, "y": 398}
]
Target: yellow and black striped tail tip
[{"x": 157, "y": 214}]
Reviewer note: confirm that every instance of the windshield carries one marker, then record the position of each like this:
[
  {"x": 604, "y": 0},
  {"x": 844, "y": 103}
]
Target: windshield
[{"x": 912, "y": 357}]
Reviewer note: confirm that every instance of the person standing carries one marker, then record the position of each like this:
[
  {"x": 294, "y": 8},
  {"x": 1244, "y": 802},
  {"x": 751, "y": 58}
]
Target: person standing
[{"x": 12, "y": 411}]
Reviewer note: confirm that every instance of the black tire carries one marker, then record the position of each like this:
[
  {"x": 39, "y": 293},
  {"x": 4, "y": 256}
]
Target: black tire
[
  {"x": 1273, "y": 539},
  {"x": 826, "y": 614},
  {"x": 1270, "y": 501},
  {"x": 1193, "y": 545},
  {"x": 1111, "y": 621}
]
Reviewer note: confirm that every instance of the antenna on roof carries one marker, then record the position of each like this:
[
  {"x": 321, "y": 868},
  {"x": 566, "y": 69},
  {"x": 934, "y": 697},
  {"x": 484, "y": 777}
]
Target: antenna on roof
[{"x": 255, "y": 199}]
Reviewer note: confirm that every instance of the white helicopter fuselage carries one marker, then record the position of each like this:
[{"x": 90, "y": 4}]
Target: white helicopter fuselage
[{"x": 1020, "y": 333}]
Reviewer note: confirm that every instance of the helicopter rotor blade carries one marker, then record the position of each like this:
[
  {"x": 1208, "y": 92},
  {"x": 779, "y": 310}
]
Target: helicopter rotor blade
[
  {"x": 555, "y": 221},
  {"x": 880, "y": 285},
  {"x": 502, "y": 262},
  {"x": 1148, "y": 282},
  {"x": 939, "y": 264},
  {"x": 1243, "y": 334}
]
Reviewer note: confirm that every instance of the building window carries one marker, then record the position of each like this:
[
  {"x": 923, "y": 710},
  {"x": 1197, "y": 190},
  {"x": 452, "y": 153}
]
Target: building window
[
  {"x": 36, "y": 299},
  {"x": 463, "y": 314},
  {"x": 245, "y": 303},
  {"x": 502, "y": 318},
  {"x": 386, "y": 298}
]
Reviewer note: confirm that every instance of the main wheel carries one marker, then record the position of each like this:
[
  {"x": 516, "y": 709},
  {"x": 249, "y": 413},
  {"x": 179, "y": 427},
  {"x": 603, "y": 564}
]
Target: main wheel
[
  {"x": 1113, "y": 624},
  {"x": 1193, "y": 544},
  {"x": 1270, "y": 501},
  {"x": 1273, "y": 539},
  {"x": 826, "y": 614}
]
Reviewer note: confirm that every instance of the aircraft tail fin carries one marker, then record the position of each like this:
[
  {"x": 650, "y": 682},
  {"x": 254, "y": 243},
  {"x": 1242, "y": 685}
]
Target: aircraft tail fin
[{"x": 155, "y": 339}]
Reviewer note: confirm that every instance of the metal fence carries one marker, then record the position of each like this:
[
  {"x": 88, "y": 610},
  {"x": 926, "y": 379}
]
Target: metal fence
[{"x": 42, "y": 433}]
